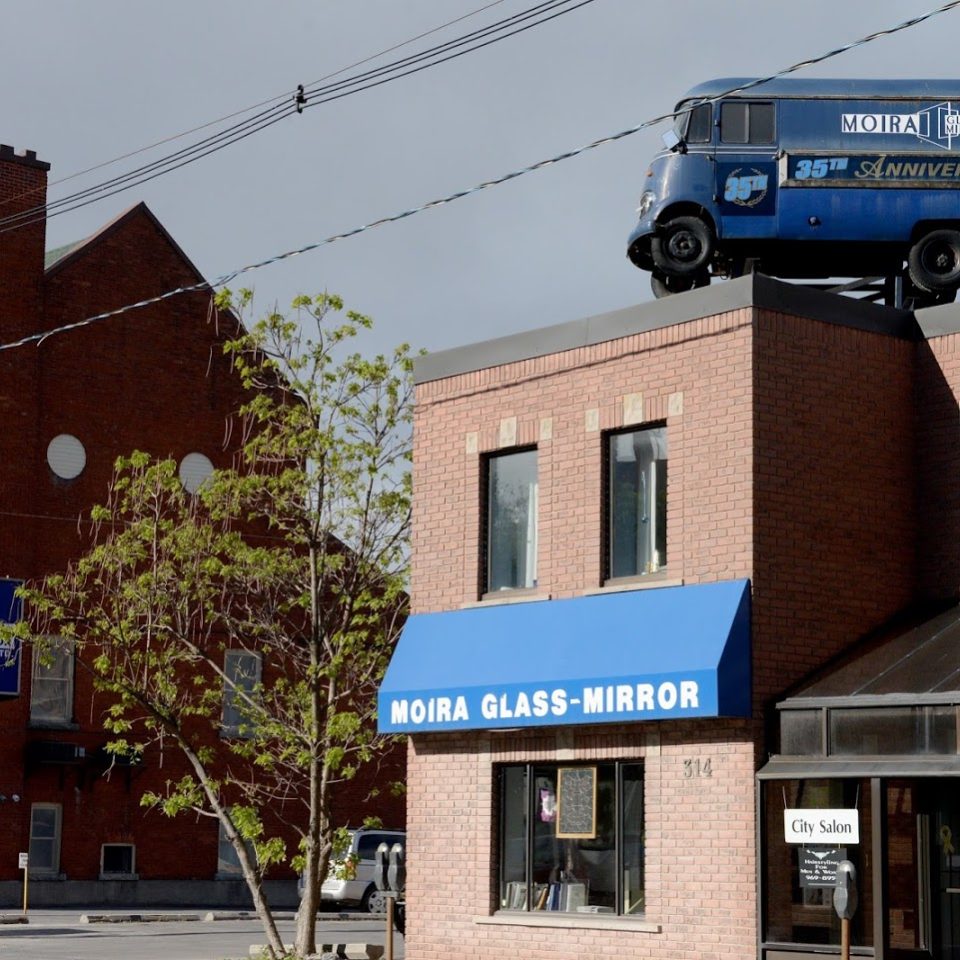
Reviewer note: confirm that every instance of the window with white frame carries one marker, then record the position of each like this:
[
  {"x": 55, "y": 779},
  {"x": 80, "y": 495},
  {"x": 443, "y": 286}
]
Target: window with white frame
[
  {"x": 51, "y": 691},
  {"x": 636, "y": 502},
  {"x": 241, "y": 676},
  {"x": 228, "y": 863},
  {"x": 118, "y": 861},
  {"x": 511, "y": 521},
  {"x": 45, "y": 839}
]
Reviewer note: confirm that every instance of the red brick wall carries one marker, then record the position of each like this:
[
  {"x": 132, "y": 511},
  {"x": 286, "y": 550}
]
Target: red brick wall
[
  {"x": 23, "y": 186},
  {"x": 937, "y": 427},
  {"x": 153, "y": 379},
  {"x": 835, "y": 513}
]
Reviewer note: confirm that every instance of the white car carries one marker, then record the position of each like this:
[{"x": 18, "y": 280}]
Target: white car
[{"x": 350, "y": 879}]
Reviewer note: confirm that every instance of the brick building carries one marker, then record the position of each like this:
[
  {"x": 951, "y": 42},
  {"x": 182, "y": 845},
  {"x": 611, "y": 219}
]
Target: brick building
[
  {"x": 683, "y": 576},
  {"x": 152, "y": 379}
]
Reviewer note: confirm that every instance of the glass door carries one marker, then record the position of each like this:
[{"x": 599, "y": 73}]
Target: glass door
[
  {"x": 907, "y": 872},
  {"x": 944, "y": 844}
]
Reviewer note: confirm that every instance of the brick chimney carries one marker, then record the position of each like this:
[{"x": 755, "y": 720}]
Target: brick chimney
[{"x": 23, "y": 188}]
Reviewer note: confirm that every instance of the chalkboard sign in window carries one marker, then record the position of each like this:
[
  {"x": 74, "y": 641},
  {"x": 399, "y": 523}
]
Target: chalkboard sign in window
[{"x": 577, "y": 802}]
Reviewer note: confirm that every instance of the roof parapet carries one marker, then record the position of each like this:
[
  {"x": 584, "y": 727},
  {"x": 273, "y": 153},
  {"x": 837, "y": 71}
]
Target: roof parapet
[{"x": 27, "y": 158}]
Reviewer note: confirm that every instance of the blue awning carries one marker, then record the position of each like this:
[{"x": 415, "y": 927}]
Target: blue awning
[{"x": 638, "y": 655}]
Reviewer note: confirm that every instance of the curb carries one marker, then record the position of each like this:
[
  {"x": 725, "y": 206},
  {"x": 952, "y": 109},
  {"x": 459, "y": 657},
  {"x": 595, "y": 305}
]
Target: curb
[
  {"x": 334, "y": 951},
  {"x": 137, "y": 917},
  {"x": 210, "y": 916}
]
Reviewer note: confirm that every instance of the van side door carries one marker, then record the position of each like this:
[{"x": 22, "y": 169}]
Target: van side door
[{"x": 746, "y": 157}]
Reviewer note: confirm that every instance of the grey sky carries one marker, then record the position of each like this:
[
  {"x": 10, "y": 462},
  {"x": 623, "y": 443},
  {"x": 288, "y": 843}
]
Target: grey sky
[{"x": 86, "y": 81}]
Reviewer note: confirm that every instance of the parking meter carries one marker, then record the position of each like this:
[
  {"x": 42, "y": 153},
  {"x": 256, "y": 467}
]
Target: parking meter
[
  {"x": 845, "y": 891},
  {"x": 397, "y": 868},
  {"x": 381, "y": 867}
]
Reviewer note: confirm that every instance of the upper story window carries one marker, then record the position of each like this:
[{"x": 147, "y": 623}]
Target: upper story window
[
  {"x": 51, "y": 692},
  {"x": 571, "y": 838},
  {"x": 242, "y": 670},
  {"x": 511, "y": 521},
  {"x": 742, "y": 122},
  {"x": 636, "y": 504}
]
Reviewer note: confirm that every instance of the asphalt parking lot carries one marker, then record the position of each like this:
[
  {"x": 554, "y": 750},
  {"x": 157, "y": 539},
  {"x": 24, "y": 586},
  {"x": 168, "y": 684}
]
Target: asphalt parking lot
[{"x": 61, "y": 935}]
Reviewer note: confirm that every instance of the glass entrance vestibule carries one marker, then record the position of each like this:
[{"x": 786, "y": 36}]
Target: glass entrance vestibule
[
  {"x": 868, "y": 771},
  {"x": 907, "y": 857}
]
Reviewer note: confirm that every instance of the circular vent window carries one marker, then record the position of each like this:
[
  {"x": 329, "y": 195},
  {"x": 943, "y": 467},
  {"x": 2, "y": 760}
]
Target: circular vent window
[
  {"x": 66, "y": 456},
  {"x": 194, "y": 469}
]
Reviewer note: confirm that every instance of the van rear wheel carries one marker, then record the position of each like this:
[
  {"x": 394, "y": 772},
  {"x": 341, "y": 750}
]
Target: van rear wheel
[
  {"x": 682, "y": 247},
  {"x": 934, "y": 261},
  {"x": 663, "y": 285}
]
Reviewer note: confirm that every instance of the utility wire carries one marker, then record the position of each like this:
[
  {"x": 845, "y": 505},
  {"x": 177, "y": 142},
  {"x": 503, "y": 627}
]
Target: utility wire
[
  {"x": 254, "y": 106},
  {"x": 501, "y": 30},
  {"x": 38, "y": 338}
]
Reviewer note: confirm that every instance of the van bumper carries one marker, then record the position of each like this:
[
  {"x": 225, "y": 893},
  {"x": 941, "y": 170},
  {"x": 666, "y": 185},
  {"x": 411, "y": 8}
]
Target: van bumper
[{"x": 638, "y": 244}]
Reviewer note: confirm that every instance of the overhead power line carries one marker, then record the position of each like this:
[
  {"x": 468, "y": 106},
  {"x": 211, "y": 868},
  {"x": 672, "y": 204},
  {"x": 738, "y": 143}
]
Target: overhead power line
[
  {"x": 285, "y": 96},
  {"x": 310, "y": 96},
  {"x": 486, "y": 184}
]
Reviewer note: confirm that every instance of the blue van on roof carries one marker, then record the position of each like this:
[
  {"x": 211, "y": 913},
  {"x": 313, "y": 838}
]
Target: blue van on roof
[{"x": 807, "y": 178}]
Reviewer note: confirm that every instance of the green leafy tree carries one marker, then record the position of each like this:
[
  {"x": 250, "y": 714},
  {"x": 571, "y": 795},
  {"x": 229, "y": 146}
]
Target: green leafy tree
[{"x": 295, "y": 559}]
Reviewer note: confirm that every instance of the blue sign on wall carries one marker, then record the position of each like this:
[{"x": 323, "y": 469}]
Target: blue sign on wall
[{"x": 11, "y": 609}]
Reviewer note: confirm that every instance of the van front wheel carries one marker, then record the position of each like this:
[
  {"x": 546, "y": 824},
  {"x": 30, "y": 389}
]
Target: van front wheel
[
  {"x": 934, "y": 261},
  {"x": 682, "y": 247}
]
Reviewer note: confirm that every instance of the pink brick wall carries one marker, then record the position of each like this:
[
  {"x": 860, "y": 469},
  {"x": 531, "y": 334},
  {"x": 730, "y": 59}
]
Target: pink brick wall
[
  {"x": 791, "y": 451},
  {"x": 700, "y": 868},
  {"x": 702, "y": 368}
]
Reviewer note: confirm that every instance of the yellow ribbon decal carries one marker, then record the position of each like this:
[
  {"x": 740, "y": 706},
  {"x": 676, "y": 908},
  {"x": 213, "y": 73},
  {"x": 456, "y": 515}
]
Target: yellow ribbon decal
[{"x": 946, "y": 840}]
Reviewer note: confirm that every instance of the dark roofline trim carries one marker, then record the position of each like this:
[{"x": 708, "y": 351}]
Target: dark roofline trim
[
  {"x": 780, "y": 767},
  {"x": 110, "y": 228},
  {"x": 756, "y": 290},
  {"x": 944, "y": 698}
]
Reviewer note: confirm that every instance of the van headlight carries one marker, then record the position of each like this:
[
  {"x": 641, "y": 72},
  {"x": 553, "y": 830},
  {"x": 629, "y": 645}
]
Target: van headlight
[{"x": 646, "y": 202}]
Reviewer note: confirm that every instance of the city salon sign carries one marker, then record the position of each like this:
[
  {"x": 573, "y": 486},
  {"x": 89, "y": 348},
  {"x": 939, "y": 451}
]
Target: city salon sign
[
  {"x": 547, "y": 704},
  {"x": 821, "y": 826}
]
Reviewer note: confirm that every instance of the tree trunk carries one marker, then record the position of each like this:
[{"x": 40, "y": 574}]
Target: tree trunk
[{"x": 275, "y": 946}]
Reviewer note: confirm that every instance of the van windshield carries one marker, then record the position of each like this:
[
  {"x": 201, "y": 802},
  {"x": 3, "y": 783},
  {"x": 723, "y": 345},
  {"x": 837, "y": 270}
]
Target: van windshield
[{"x": 694, "y": 122}]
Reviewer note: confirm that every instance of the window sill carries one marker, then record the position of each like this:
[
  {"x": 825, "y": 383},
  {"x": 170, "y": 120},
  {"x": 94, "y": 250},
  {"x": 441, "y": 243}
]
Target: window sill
[
  {"x": 119, "y": 876},
  {"x": 506, "y": 596},
  {"x": 578, "y": 921},
  {"x": 52, "y": 725},
  {"x": 649, "y": 581}
]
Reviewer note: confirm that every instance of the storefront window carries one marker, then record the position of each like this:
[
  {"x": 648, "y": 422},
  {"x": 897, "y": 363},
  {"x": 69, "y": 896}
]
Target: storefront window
[
  {"x": 511, "y": 531},
  {"x": 571, "y": 838},
  {"x": 798, "y": 905}
]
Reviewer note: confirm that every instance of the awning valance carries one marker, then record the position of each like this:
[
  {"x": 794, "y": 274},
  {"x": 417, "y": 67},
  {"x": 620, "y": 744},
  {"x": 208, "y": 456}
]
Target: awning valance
[{"x": 608, "y": 658}]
